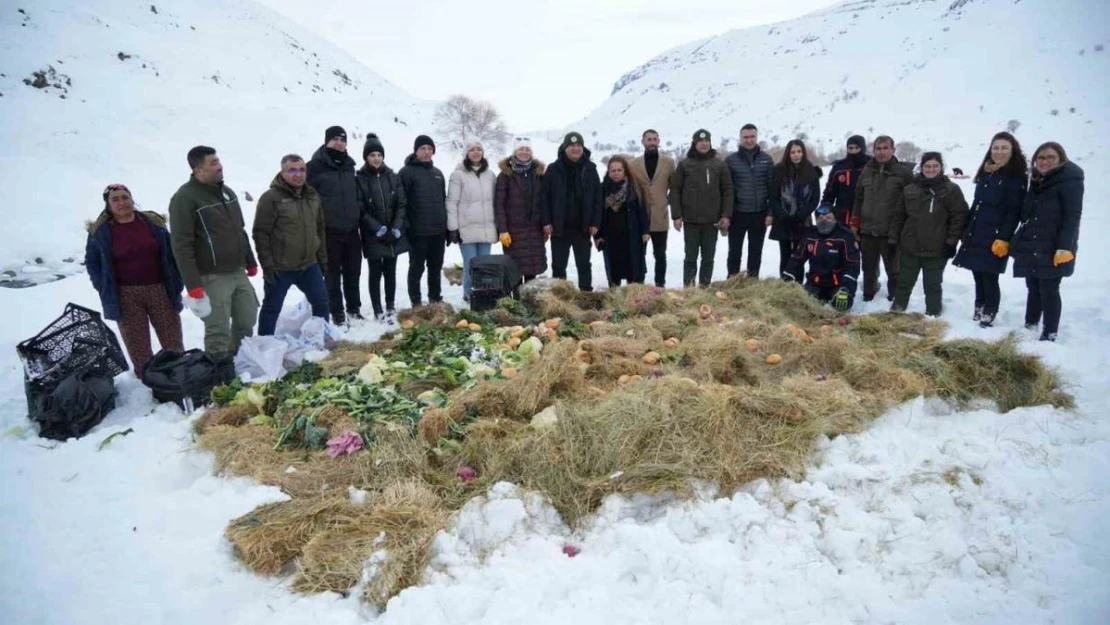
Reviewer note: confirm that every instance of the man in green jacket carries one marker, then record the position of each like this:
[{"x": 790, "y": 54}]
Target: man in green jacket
[
  {"x": 289, "y": 236},
  {"x": 701, "y": 201},
  {"x": 877, "y": 195},
  {"x": 214, "y": 253}
]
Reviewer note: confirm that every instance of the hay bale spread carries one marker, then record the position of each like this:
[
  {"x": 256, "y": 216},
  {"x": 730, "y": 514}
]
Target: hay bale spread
[{"x": 641, "y": 390}]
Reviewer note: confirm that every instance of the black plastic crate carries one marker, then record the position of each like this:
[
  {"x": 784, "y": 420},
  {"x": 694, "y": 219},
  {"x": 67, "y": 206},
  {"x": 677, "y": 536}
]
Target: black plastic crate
[
  {"x": 78, "y": 340},
  {"x": 495, "y": 273}
]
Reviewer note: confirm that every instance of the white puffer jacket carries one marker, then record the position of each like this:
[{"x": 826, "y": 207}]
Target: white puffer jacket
[{"x": 470, "y": 205}]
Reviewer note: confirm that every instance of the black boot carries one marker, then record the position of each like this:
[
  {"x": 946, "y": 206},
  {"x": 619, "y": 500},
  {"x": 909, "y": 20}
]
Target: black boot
[{"x": 978, "y": 316}]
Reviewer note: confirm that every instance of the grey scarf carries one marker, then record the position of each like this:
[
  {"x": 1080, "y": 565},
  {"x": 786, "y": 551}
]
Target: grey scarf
[{"x": 520, "y": 166}]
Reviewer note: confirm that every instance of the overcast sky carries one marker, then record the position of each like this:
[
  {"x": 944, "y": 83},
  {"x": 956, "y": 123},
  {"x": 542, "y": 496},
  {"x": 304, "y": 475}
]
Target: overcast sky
[{"x": 543, "y": 63}]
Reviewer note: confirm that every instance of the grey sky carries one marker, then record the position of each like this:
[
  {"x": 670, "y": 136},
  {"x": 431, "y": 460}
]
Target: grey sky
[{"x": 544, "y": 63}]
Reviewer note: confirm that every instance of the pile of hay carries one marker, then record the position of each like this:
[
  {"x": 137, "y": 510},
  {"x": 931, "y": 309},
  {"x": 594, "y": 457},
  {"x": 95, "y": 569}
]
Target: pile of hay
[{"x": 661, "y": 390}]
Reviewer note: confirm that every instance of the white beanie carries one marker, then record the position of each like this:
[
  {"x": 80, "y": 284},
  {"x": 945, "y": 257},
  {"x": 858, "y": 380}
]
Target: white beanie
[
  {"x": 474, "y": 142},
  {"x": 521, "y": 142}
]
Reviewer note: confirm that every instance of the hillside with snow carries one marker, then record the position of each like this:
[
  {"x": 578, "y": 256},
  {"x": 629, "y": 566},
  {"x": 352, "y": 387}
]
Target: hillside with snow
[
  {"x": 944, "y": 74},
  {"x": 108, "y": 91}
]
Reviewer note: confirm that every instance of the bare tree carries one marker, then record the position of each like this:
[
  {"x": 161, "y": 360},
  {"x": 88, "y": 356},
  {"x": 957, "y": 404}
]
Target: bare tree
[
  {"x": 907, "y": 151},
  {"x": 462, "y": 117}
]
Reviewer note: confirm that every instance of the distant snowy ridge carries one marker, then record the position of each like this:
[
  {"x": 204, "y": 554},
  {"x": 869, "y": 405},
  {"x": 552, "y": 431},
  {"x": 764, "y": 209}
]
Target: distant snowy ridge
[
  {"x": 943, "y": 74},
  {"x": 107, "y": 91}
]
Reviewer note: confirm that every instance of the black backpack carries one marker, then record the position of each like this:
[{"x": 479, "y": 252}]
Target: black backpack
[
  {"x": 187, "y": 378},
  {"x": 73, "y": 406}
]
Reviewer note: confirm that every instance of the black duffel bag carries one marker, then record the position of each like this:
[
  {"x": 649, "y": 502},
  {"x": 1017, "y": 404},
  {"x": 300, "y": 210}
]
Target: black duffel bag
[
  {"x": 187, "y": 378},
  {"x": 73, "y": 406}
]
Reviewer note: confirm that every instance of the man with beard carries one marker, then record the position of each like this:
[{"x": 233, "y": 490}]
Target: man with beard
[
  {"x": 331, "y": 172},
  {"x": 840, "y": 190},
  {"x": 656, "y": 169},
  {"x": 831, "y": 250},
  {"x": 877, "y": 197},
  {"x": 572, "y": 212}
]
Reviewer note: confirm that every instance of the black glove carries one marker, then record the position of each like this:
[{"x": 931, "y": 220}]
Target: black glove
[
  {"x": 892, "y": 248},
  {"x": 599, "y": 244},
  {"x": 950, "y": 250},
  {"x": 453, "y": 237}
]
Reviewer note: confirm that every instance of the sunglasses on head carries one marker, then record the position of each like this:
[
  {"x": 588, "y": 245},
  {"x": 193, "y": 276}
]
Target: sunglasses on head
[
  {"x": 115, "y": 186},
  {"x": 521, "y": 139}
]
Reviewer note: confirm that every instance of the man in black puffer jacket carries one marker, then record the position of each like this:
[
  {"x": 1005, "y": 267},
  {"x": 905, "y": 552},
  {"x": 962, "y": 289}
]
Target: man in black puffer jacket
[
  {"x": 331, "y": 171},
  {"x": 750, "y": 168},
  {"x": 572, "y": 211},
  {"x": 426, "y": 192}
]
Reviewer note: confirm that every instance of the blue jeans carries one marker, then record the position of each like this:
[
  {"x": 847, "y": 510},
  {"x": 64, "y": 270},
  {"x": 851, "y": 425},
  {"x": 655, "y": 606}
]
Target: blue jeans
[
  {"x": 310, "y": 281},
  {"x": 469, "y": 251}
]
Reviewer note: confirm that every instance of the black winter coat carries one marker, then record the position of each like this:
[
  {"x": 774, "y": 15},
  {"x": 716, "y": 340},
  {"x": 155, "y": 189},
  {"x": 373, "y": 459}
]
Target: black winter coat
[
  {"x": 840, "y": 190},
  {"x": 995, "y": 213},
  {"x": 555, "y": 189},
  {"x": 383, "y": 204},
  {"x": 789, "y": 227},
  {"x": 834, "y": 260},
  {"x": 636, "y": 224},
  {"x": 1049, "y": 222},
  {"x": 335, "y": 183},
  {"x": 426, "y": 195},
  {"x": 751, "y": 180}
]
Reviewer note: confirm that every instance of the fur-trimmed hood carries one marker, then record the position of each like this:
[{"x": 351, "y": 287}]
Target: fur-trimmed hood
[
  {"x": 92, "y": 225},
  {"x": 538, "y": 166}
]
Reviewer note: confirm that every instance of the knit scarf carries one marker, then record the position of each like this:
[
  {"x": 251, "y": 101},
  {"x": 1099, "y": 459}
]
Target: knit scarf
[
  {"x": 990, "y": 166},
  {"x": 789, "y": 200},
  {"x": 520, "y": 166},
  {"x": 617, "y": 198}
]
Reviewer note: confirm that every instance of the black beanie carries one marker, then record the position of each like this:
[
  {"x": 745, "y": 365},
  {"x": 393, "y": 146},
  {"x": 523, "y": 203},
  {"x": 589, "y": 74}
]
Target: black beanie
[
  {"x": 423, "y": 140},
  {"x": 373, "y": 144},
  {"x": 333, "y": 132},
  {"x": 702, "y": 135},
  {"x": 572, "y": 138},
  {"x": 857, "y": 141}
]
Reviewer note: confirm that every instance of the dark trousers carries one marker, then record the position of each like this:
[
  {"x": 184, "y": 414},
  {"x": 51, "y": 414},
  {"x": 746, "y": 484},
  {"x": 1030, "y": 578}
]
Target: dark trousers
[
  {"x": 383, "y": 268},
  {"x": 700, "y": 239},
  {"x": 872, "y": 248},
  {"x": 143, "y": 307},
  {"x": 426, "y": 253},
  {"x": 659, "y": 251},
  {"x": 933, "y": 270},
  {"x": 310, "y": 281},
  {"x": 786, "y": 248},
  {"x": 344, "y": 269},
  {"x": 987, "y": 294},
  {"x": 750, "y": 225},
  {"x": 560, "y": 256},
  {"x": 1043, "y": 303}
]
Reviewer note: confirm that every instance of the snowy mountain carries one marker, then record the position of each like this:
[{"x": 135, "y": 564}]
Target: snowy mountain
[
  {"x": 107, "y": 91},
  {"x": 944, "y": 74}
]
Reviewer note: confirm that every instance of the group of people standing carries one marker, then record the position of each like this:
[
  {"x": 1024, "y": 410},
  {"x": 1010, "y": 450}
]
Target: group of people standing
[{"x": 320, "y": 219}]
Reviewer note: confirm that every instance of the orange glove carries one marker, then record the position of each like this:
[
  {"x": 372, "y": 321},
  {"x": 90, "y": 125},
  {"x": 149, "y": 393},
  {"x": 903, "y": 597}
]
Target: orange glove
[
  {"x": 1000, "y": 248},
  {"x": 1062, "y": 257},
  {"x": 505, "y": 239}
]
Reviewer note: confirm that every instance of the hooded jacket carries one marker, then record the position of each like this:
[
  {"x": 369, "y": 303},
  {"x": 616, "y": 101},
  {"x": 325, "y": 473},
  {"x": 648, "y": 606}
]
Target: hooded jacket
[
  {"x": 929, "y": 216},
  {"x": 383, "y": 204},
  {"x": 98, "y": 262},
  {"x": 877, "y": 195},
  {"x": 1049, "y": 222},
  {"x": 289, "y": 228},
  {"x": 840, "y": 190},
  {"x": 470, "y": 203}
]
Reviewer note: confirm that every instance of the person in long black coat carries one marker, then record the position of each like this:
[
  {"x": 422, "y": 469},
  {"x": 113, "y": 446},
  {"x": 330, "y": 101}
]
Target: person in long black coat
[
  {"x": 625, "y": 226},
  {"x": 794, "y": 194},
  {"x": 1000, "y": 186},
  {"x": 384, "y": 228},
  {"x": 1047, "y": 239}
]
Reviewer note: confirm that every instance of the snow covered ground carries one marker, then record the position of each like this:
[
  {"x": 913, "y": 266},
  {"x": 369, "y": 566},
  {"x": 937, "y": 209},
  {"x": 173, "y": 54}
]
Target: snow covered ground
[{"x": 931, "y": 516}]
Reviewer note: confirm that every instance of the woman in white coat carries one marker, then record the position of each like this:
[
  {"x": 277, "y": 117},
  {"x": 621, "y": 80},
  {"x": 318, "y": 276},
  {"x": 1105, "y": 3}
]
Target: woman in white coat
[{"x": 470, "y": 218}]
